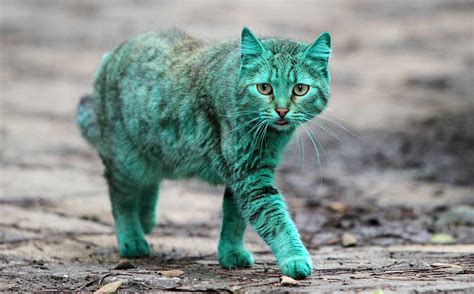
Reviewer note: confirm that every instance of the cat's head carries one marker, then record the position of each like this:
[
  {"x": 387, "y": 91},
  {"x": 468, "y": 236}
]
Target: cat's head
[{"x": 283, "y": 83}]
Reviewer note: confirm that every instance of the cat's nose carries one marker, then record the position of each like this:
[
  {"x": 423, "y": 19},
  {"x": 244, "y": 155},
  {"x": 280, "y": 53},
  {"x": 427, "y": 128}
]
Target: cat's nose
[{"x": 281, "y": 111}]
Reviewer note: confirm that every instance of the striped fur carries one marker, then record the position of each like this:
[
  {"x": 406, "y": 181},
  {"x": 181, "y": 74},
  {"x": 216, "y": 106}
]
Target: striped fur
[{"x": 168, "y": 106}]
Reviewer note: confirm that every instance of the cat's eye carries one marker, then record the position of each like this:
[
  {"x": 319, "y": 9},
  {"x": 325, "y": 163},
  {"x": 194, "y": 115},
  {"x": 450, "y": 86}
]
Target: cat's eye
[
  {"x": 300, "y": 89},
  {"x": 264, "y": 88}
]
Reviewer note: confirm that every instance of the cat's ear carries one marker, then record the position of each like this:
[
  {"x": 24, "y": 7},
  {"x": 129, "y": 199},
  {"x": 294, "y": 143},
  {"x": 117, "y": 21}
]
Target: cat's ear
[
  {"x": 320, "y": 49},
  {"x": 249, "y": 44}
]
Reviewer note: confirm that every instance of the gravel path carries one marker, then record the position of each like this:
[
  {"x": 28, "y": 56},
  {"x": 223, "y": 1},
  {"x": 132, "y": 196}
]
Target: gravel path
[{"x": 374, "y": 214}]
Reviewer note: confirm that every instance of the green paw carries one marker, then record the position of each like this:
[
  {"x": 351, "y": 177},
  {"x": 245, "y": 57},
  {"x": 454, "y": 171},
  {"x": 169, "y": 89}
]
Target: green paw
[
  {"x": 235, "y": 258},
  {"x": 298, "y": 267},
  {"x": 134, "y": 248}
]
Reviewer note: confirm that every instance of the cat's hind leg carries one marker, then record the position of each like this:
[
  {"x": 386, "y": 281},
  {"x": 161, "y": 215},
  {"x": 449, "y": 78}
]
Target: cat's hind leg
[
  {"x": 147, "y": 213},
  {"x": 125, "y": 196},
  {"x": 231, "y": 250}
]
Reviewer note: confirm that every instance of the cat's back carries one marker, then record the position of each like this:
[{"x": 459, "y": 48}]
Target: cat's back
[
  {"x": 174, "y": 43},
  {"x": 166, "y": 48},
  {"x": 152, "y": 59}
]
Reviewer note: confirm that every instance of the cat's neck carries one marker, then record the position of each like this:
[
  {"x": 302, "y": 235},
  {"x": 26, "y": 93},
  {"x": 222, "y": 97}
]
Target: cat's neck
[
  {"x": 217, "y": 67},
  {"x": 273, "y": 143}
]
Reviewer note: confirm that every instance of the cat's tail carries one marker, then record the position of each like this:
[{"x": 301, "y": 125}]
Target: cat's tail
[{"x": 87, "y": 120}]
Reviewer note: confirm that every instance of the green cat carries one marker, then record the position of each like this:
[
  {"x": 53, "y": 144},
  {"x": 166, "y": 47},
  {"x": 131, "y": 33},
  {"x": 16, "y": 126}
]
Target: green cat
[{"x": 168, "y": 106}]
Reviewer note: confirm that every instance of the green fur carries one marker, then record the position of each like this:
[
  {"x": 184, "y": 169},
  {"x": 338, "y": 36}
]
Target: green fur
[
  {"x": 232, "y": 253},
  {"x": 168, "y": 106}
]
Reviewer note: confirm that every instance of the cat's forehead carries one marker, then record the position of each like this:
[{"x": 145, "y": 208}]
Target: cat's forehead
[
  {"x": 281, "y": 48},
  {"x": 282, "y": 63},
  {"x": 284, "y": 55},
  {"x": 283, "y": 60},
  {"x": 281, "y": 44}
]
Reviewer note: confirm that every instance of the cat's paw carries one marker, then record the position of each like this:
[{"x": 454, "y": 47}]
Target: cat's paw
[
  {"x": 236, "y": 258},
  {"x": 134, "y": 248},
  {"x": 298, "y": 267}
]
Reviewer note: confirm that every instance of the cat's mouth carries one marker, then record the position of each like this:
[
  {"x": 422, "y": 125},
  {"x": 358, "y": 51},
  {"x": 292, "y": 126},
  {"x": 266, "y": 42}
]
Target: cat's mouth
[{"x": 282, "y": 125}]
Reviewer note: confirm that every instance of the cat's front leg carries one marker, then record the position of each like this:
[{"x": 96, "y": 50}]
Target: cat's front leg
[
  {"x": 231, "y": 250},
  {"x": 264, "y": 207}
]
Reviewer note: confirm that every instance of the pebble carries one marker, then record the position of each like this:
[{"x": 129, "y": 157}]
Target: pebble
[
  {"x": 348, "y": 240},
  {"x": 124, "y": 265},
  {"x": 361, "y": 276}
]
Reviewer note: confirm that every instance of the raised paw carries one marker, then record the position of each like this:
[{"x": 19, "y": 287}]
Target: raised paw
[
  {"x": 134, "y": 248},
  {"x": 235, "y": 258},
  {"x": 298, "y": 267}
]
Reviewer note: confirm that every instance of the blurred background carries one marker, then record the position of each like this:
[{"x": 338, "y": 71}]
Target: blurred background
[{"x": 398, "y": 168}]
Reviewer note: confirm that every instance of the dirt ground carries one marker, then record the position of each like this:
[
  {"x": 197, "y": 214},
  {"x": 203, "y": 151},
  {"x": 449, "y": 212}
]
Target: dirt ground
[{"x": 390, "y": 206}]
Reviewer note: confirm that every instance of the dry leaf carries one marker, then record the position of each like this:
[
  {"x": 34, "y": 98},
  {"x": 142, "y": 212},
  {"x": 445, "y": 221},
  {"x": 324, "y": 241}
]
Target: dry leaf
[
  {"x": 287, "y": 281},
  {"x": 442, "y": 238},
  {"x": 111, "y": 287},
  {"x": 452, "y": 270},
  {"x": 440, "y": 264},
  {"x": 448, "y": 268},
  {"x": 348, "y": 240},
  {"x": 172, "y": 273},
  {"x": 338, "y": 207}
]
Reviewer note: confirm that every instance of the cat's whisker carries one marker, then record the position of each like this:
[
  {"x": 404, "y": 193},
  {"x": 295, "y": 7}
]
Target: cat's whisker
[
  {"x": 240, "y": 127},
  {"x": 317, "y": 152},
  {"x": 253, "y": 130},
  {"x": 325, "y": 128},
  {"x": 263, "y": 140},
  {"x": 263, "y": 134},
  {"x": 259, "y": 139},
  {"x": 297, "y": 142},
  {"x": 256, "y": 135},
  {"x": 300, "y": 150},
  {"x": 340, "y": 125},
  {"x": 300, "y": 120},
  {"x": 320, "y": 145}
]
